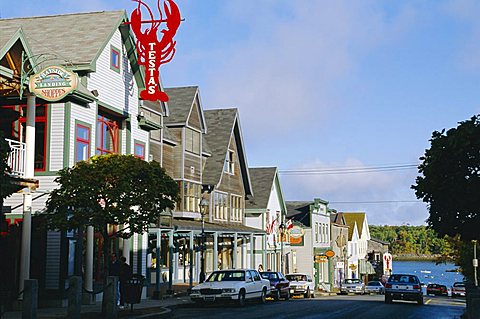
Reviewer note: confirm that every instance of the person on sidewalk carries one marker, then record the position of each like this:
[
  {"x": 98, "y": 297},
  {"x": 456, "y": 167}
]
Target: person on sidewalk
[
  {"x": 114, "y": 270},
  {"x": 125, "y": 274}
]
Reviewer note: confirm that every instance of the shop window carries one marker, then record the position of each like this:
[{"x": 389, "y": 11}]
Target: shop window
[
  {"x": 139, "y": 150},
  {"x": 82, "y": 143},
  {"x": 107, "y": 135},
  {"x": 115, "y": 59}
]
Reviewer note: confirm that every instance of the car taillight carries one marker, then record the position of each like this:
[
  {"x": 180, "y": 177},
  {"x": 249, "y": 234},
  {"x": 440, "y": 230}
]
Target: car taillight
[
  {"x": 388, "y": 286},
  {"x": 416, "y": 287}
]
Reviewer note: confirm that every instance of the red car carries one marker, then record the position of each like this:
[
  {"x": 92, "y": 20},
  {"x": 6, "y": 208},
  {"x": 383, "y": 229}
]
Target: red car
[
  {"x": 437, "y": 290},
  {"x": 279, "y": 285}
]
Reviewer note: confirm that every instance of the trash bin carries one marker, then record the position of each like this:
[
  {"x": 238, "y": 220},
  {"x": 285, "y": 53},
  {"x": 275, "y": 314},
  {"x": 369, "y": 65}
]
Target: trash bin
[{"x": 133, "y": 289}]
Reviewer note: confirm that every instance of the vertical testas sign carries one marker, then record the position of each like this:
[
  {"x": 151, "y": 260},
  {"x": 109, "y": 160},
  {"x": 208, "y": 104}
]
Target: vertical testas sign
[{"x": 153, "y": 52}]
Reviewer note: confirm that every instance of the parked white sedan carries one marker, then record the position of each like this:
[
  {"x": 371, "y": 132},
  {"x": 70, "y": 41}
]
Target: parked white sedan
[
  {"x": 232, "y": 285},
  {"x": 301, "y": 284}
]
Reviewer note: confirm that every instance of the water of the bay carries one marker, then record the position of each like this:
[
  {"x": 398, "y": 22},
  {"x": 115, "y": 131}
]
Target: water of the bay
[{"x": 428, "y": 272}]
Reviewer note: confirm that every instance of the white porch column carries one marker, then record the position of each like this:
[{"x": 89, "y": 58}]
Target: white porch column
[
  {"x": 89, "y": 259},
  {"x": 252, "y": 252},
  {"x": 234, "y": 253},
  {"x": 215, "y": 251},
  {"x": 27, "y": 197}
]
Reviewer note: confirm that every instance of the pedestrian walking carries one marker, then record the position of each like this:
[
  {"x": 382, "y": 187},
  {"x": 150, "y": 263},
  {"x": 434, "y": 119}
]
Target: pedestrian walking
[
  {"x": 114, "y": 270},
  {"x": 125, "y": 274},
  {"x": 260, "y": 268}
]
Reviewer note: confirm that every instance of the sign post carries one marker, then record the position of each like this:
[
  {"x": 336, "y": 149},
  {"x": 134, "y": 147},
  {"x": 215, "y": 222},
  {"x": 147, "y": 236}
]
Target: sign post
[{"x": 387, "y": 264}]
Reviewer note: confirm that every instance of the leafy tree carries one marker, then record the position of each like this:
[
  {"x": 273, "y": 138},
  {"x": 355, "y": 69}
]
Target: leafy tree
[
  {"x": 110, "y": 190},
  {"x": 450, "y": 184}
]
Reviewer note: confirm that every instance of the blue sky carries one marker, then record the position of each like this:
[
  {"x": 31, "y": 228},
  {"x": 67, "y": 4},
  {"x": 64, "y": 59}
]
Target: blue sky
[{"x": 323, "y": 84}]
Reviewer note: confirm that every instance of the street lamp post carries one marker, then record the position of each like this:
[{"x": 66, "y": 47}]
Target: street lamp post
[
  {"x": 282, "y": 231},
  {"x": 203, "y": 207}
]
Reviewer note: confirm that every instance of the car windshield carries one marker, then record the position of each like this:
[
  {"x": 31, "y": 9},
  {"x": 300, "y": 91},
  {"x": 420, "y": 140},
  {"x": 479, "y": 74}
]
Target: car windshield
[
  {"x": 269, "y": 275},
  {"x": 227, "y": 276},
  {"x": 296, "y": 277},
  {"x": 408, "y": 279},
  {"x": 353, "y": 281},
  {"x": 373, "y": 283}
]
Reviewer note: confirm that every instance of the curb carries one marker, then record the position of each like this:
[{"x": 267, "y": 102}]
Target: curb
[{"x": 162, "y": 314}]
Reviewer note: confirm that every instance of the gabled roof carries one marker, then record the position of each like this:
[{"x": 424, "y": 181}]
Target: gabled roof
[
  {"x": 78, "y": 38},
  {"x": 262, "y": 183},
  {"x": 338, "y": 219},
  {"x": 180, "y": 102},
  {"x": 222, "y": 123},
  {"x": 353, "y": 218}
]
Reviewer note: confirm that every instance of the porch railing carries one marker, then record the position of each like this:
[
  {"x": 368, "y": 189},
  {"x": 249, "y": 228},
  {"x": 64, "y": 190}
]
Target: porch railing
[{"x": 16, "y": 159}]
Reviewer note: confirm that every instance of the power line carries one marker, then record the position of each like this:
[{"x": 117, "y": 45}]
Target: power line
[
  {"x": 348, "y": 170},
  {"x": 376, "y": 202}
]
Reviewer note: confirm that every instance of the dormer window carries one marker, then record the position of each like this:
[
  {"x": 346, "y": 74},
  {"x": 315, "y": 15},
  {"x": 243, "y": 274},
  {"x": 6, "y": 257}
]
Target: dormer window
[
  {"x": 229, "y": 166},
  {"x": 192, "y": 141}
]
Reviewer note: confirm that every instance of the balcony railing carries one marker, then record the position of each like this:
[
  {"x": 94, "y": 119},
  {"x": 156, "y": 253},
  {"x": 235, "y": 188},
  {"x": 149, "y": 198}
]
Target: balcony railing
[{"x": 16, "y": 159}]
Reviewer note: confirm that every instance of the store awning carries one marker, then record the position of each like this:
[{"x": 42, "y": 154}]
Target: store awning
[{"x": 365, "y": 267}]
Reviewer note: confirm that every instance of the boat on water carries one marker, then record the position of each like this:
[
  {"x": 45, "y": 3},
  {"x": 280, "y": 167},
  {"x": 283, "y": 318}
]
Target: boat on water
[{"x": 425, "y": 271}]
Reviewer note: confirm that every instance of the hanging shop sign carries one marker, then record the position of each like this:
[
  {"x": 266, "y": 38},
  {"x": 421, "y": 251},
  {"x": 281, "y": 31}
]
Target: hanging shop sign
[
  {"x": 321, "y": 259},
  {"x": 53, "y": 83},
  {"x": 153, "y": 52},
  {"x": 296, "y": 236},
  {"x": 330, "y": 253}
]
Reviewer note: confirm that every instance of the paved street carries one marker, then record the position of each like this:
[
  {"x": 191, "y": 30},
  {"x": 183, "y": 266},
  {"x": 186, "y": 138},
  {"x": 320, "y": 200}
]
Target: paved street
[{"x": 334, "y": 307}]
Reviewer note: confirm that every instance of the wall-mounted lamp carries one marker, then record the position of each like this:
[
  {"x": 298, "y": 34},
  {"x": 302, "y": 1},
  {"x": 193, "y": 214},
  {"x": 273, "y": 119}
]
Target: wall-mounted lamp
[{"x": 94, "y": 92}]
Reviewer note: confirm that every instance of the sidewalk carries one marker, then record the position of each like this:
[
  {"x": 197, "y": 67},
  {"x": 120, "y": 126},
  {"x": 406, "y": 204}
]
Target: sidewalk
[{"x": 148, "y": 308}]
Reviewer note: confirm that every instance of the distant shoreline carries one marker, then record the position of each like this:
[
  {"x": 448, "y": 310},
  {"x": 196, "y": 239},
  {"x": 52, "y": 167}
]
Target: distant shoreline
[{"x": 413, "y": 257}]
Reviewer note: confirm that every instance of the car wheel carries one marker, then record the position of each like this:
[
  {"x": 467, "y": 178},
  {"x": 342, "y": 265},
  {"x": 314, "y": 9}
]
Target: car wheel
[
  {"x": 287, "y": 296},
  {"x": 276, "y": 296},
  {"x": 312, "y": 295},
  {"x": 420, "y": 300},
  {"x": 307, "y": 294},
  {"x": 241, "y": 298},
  {"x": 263, "y": 296}
]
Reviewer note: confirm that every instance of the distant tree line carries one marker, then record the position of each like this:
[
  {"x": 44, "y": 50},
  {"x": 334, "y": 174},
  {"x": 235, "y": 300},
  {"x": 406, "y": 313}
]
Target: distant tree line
[{"x": 413, "y": 240}]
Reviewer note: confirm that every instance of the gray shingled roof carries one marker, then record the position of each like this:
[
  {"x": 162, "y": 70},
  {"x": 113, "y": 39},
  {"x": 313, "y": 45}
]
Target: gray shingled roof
[
  {"x": 262, "y": 182},
  {"x": 220, "y": 127},
  {"x": 6, "y": 35},
  {"x": 74, "y": 37},
  {"x": 180, "y": 101},
  {"x": 299, "y": 211}
]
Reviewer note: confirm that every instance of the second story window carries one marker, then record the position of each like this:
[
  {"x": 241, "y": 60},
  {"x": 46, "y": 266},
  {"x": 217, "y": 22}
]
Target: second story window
[
  {"x": 192, "y": 141},
  {"x": 220, "y": 204},
  {"x": 192, "y": 195},
  {"x": 115, "y": 59},
  {"x": 82, "y": 143},
  {"x": 107, "y": 135},
  {"x": 40, "y": 134},
  {"x": 237, "y": 209},
  {"x": 229, "y": 166},
  {"x": 139, "y": 150}
]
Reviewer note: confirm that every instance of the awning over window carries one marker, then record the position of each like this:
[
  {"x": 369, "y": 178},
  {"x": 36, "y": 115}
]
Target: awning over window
[{"x": 365, "y": 267}]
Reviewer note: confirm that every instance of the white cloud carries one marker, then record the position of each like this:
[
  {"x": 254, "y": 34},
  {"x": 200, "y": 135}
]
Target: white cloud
[
  {"x": 287, "y": 70},
  {"x": 467, "y": 11},
  {"x": 357, "y": 189}
]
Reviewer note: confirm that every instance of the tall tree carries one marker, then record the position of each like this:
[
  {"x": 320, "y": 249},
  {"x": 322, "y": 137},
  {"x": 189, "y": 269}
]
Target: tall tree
[
  {"x": 110, "y": 190},
  {"x": 450, "y": 180}
]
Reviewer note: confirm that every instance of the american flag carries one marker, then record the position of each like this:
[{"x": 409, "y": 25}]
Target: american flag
[{"x": 271, "y": 227}]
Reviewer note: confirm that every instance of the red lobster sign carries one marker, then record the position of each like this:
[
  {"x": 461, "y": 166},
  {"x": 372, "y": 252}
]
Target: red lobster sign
[{"x": 151, "y": 52}]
